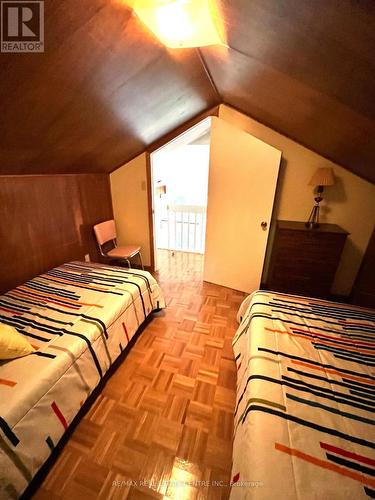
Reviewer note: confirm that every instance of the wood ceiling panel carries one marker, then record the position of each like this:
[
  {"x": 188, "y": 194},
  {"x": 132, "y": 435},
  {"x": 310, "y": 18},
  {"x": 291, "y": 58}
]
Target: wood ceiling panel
[
  {"x": 285, "y": 104},
  {"x": 305, "y": 68},
  {"x": 327, "y": 44},
  {"x": 102, "y": 91}
]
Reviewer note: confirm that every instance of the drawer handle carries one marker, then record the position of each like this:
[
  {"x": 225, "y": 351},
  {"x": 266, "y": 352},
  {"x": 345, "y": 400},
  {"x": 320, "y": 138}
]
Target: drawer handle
[{"x": 264, "y": 225}]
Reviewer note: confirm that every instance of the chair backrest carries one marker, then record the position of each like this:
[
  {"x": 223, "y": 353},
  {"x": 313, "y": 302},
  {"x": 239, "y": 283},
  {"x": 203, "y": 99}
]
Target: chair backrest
[{"x": 105, "y": 231}]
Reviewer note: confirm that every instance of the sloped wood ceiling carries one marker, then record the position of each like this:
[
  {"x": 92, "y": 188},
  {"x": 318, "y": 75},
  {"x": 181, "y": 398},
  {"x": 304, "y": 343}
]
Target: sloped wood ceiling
[
  {"x": 105, "y": 89},
  {"x": 305, "y": 68}
]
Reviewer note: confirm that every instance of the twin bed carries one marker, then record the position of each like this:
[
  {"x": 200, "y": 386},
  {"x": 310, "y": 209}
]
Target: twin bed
[
  {"x": 304, "y": 419},
  {"x": 79, "y": 317},
  {"x": 304, "y": 424}
]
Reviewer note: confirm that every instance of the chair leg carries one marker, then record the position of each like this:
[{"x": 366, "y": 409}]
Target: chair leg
[
  {"x": 140, "y": 259},
  {"x": 128, "y": 263}
]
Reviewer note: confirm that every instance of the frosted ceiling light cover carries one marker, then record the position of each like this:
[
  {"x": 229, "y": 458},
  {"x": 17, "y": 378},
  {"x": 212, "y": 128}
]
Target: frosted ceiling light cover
[{"x": 181, "y": 23}]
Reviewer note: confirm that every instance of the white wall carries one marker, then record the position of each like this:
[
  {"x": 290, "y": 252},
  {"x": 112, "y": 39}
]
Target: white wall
[
  {"x": 350, "y": 203},
  {"x": 130, "y": 205}
]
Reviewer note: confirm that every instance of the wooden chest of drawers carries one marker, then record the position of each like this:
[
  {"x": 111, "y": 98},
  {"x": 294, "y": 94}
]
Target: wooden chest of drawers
[{"x": 304, "y": 261}]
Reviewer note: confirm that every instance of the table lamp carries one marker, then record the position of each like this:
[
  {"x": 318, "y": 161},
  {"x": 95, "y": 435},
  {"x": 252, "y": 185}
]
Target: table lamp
[{"x": 322, "y": 177}]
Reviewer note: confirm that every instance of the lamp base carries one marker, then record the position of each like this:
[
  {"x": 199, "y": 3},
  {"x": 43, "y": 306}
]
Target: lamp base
[
  {"x": 313, "y": 222},
  {"x": 312, "y": 225}
]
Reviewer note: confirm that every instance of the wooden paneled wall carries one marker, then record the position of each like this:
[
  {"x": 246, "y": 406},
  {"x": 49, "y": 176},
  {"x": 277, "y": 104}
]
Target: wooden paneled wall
[{"x": 47, "y": 220}]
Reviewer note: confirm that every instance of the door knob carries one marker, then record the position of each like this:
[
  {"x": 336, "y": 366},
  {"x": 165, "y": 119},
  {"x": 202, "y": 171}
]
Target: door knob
[{"x": 264, "y": 225}]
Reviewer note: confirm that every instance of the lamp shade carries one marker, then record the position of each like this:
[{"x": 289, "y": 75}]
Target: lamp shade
[
  {"x": 322, "y": 177},
  {"x": 180, "y": 23},
  {"x": 160, "y": 190}
]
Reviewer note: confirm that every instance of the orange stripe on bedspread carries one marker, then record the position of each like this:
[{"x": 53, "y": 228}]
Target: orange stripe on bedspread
[
  {"x": 11, "y": 311},
  {"x": 57, "y": 297},
  {"x": 288, "y": 333},
  {"x": 10, "y": 383},
  {"x": 323, "y": 336},
  {"x": 356, "y": 323},
  {"x": 335, "y": 372},
  {"x": 313, "y": 301},
  {"x": 20, "y": 293},
  {"x": 326, "y": 465},
  {"x": 323, "y": 342},
  {"x": 79, "y": 283}
]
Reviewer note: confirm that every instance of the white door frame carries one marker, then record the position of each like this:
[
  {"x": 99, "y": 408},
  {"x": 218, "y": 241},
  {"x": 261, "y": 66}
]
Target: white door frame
[{"x": 185, "y": 137}]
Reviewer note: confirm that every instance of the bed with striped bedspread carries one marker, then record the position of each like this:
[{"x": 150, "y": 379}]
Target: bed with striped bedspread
[
  {"x": 79, "y": 317},
  {"x": 304, "y": 419}
]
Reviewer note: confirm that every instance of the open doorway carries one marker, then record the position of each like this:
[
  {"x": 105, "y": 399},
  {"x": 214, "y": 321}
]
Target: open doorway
[{"x": 179, "y": 174}]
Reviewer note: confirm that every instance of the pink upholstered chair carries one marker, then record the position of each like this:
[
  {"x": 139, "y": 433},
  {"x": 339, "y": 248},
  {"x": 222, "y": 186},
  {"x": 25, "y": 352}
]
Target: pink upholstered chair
[{"x": 106, "y": 232}]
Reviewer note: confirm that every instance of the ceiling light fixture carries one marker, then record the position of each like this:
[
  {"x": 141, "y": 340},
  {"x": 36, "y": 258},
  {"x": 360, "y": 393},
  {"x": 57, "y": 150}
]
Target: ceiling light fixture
[{"x": 181, "y": 23}]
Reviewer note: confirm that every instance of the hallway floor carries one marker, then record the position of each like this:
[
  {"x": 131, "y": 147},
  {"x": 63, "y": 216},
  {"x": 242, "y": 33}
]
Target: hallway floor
[
  {"x": 162, "y": 426},
  {"x": 177, "y": 266}
]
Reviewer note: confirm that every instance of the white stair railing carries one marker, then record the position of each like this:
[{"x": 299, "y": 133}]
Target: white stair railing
[{"x": 183, "y": 228}]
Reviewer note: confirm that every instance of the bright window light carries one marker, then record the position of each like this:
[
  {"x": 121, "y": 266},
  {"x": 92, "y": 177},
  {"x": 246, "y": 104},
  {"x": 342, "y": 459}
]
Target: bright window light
[{"x": 180, "y": 23}]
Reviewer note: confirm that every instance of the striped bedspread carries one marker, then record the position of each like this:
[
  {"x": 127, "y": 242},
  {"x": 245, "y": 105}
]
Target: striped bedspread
[
  {"x": 304, "y": 420},
  {"x": 79, "y": 317}
]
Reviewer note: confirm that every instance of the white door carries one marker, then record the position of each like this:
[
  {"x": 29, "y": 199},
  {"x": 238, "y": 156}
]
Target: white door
[{"x": 241, "y": 189}]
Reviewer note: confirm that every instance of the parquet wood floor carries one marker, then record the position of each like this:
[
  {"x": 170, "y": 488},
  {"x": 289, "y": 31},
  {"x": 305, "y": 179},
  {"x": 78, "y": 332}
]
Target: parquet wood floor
[{"x": 162, "y": 426}]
